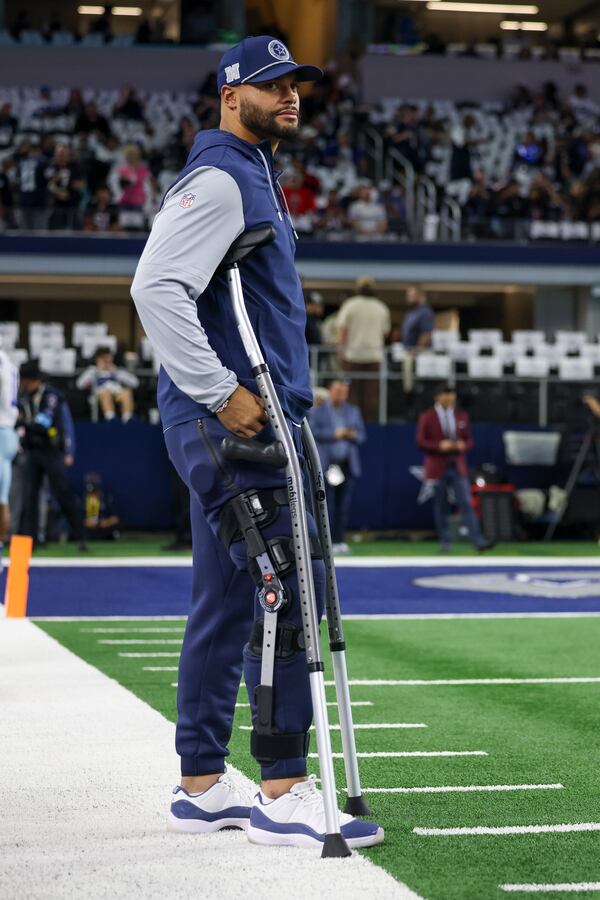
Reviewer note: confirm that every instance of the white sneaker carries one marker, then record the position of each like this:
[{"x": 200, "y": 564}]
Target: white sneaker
[
  {"x": 224, "y": 805},
  {"x": 297, "y": 819},
  {"x": 339, "y": 549}
]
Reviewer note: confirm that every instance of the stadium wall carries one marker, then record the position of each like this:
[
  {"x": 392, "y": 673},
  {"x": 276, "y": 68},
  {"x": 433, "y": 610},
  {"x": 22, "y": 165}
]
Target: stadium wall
[{"x": 135, "y": 469}]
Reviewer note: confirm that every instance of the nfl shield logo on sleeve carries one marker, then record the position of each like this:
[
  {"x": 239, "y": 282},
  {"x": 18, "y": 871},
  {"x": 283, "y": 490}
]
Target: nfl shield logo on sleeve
[{"x": 187, "y": 200}]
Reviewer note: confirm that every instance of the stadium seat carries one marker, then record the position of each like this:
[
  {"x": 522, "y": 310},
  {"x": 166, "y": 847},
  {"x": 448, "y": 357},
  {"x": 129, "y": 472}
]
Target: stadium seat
[
  {"x": 430, "y": 365},
  {"x": 90, "y": 344},
  {"x": 81, "y": 330},
  {"x": 442, "y": 339},
  {"x": 9, "y": 335},
  {"x": 570, "y": 341},
  {"x": 58, "y": 362},
  {"x": 485, "y": 367},
  {"x": 576, "y": 369}
]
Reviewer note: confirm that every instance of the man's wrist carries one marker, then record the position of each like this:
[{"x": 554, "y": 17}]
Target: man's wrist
[{"x": 225, "y": 403}]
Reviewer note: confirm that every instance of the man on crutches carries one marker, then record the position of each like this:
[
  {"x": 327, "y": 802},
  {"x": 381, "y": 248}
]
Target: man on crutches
[{"x": 246, "y": 534}]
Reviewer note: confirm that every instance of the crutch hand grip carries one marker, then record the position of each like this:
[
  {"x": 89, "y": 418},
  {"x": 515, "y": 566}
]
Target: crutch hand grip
[{"x": 252, "y": 451}]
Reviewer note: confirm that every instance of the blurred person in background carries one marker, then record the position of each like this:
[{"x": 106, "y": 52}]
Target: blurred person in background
[
  {"x": 444, "y": 435},
  {"x": 339, "y": 430},
  {"x": 419, "y": 320},
  {"x": 7, "y": 198},
  {"x": 363, "y": 323},
  {"x": 133, "y": 178},
  {"x": 32, "y": 189},
  {"x": 314, "y": 318},
  {"x": 112, "y": 386},
  {"x": 366, "y": 214},
  {"x": 47, "y": 433},
  {"x": 9, "y": 441},
  {"x": 101, "y": 214},
  {"x": 65, "y": 188}
]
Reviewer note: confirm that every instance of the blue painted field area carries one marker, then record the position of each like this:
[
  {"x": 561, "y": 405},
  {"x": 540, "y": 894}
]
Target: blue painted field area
[{"x": 140, "y": 590}]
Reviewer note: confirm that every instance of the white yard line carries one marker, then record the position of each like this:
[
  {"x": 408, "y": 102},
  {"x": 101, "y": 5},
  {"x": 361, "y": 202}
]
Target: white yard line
[
  {"x": 125, "y": 630},
  {"x": 442, "y": 682},
  {"x": 508, "y": 829},
  {"x": 394, "y": 726},
  {"x": 148, "y": 655},
  {"x": 464, "y": 789},
  {"x": 329, "y": 702},
  {"x": 122, "y": 641},
  {"x": 160, "y": 669},
  {"x": 92, "y": 768},
  {"x": 397, "y": 754},
  {"x": 574, "y": 887}
]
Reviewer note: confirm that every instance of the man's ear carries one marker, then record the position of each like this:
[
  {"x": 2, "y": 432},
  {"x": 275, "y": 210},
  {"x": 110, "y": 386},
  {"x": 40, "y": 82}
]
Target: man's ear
[{"x": 229, "y": 96}]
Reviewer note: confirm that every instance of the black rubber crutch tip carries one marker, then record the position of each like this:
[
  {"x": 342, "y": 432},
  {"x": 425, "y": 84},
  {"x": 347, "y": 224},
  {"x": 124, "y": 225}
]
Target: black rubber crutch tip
[
  {"x": 357, "y": 806},
  {"x": 335, "y": 846}
]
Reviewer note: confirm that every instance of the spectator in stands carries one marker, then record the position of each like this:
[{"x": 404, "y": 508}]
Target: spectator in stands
[
  {"x": 90, "y": 121},
  {"x": 463, "y": 138},
  {"x": 367, "y": 215},
  {"x": 419, "y": 320},
  {"x": 101, "y": 214},
  {"x": 134, "y": 181},
  {"x": 65, "y": 187},
  {"x": 31, "y": 183},
  {"x": 364, "y": 322},
  {"x": 404, "y": 135},
  {"x": 112, "y": 386},
  {"x": 444, "y": 435},
  {"x": 339, "y": 430},
  {"x": 7, "y": 199},
  {"x": 332, "y": 218},
  {"x": 301, "y": 202},
  {"x": 128, "y": 105},
  {"x": 100, "y": 520},
  {"x": 48, "y": 440},
  {"x": 8, "y": 127},
  {"x": 314, "y": 318}
]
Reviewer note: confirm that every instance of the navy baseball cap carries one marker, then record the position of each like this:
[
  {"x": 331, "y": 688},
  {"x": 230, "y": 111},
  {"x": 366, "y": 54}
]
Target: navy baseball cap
[{"x": 263, "y": 58}]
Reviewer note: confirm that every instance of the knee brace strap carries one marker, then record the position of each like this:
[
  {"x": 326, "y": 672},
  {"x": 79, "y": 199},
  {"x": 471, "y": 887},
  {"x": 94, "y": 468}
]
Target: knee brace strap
[
  {"x": 288, "y": 640},
  {"x": 266, "y": 748},
  {"x": 281, "y": 554},
  {"x": 248, "y": 510}
]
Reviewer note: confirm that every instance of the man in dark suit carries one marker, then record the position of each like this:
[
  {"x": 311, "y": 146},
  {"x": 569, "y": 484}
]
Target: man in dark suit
[
  {"x": 338, "y": 428},
  {"x": 444, "y": 434}
]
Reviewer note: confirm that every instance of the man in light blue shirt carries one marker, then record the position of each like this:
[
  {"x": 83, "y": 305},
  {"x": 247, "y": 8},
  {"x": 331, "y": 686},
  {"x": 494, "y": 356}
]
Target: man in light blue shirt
[{"x": 339, "y": 429}]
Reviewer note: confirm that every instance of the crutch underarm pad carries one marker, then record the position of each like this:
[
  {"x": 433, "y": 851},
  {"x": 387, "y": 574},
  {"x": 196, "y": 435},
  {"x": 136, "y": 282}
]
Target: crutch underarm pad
[{"x": 268, "y": 747}]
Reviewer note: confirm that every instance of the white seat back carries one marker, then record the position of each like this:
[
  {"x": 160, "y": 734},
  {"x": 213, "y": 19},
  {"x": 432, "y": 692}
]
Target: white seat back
[
  {"x": 576, "y": 369},
  {"x": 429, "y": 365},
  {"x": 91, "y": 343},
  {"x": 58, "y": 362},
  {"x": 485, "y": 367},
  {"x": 83, "y": 329},
  {"x": 532, "y": 367}
]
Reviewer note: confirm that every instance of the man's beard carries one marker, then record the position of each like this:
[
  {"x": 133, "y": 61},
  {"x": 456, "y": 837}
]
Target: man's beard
[{"x": 265, "y": 125}]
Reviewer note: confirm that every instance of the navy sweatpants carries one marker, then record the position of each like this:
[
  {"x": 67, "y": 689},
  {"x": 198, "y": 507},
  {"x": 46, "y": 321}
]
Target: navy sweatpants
[{"x": 224, "y": 606}]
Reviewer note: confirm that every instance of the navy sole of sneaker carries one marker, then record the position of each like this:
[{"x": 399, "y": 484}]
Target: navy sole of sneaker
[
  {"x": 200, "y": 826},
  {"x": 273, "y": 838}
]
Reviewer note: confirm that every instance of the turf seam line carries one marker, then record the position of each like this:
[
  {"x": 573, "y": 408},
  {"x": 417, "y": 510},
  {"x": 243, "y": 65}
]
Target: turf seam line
[
  {"x": 445, "y": 682},
  {"x": 363, "y": 726}
]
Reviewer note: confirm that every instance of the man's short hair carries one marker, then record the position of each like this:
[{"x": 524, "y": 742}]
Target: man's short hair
[
  {"x": 101, "y": 351},
  {"x": 365, "y": 284},
  {"x": 30, "y": 369},
  {"x": 444, "y": 389}
]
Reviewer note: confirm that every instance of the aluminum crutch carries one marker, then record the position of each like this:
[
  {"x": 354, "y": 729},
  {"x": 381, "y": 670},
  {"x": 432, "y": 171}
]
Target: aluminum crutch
[
  {"x": 334, "y": 844},
  {"x": 356, "y": 804}
]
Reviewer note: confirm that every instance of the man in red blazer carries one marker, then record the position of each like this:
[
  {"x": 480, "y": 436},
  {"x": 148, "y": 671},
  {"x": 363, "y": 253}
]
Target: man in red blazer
[{"x": 444, "y": 434}]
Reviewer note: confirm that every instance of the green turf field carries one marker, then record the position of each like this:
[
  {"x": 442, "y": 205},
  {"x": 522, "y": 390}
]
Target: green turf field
[
  {"x": 150, "y": 545},
  {"x": 532, "y": 734}
]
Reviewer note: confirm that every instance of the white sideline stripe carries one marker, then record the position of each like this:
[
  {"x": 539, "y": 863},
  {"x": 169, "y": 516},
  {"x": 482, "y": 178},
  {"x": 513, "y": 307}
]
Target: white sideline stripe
[
  {"x": 132, "y": 630},
  {"x": 436, "y": 682},
  {"x": 342, "y": 562},
  {"x": 365, "y": 617},
  {"x": 576, "y": 887},
  {"x": 509, "y": 829},
  {"x": 66, "y": 725},
  {"x": 394, "y": 726},
  {"x": 395, "y": 754},
  {"x": 122, "y": 641},
  {"x": 148, "y": 655},
  {"x": 464, "y": 789}
]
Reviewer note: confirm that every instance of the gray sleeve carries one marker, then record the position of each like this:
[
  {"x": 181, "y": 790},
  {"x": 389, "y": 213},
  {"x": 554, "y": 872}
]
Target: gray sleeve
[{"x": 199, "y": 220}]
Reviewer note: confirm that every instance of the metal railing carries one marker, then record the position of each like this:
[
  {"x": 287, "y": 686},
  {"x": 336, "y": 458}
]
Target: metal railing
[
  {"x": 402, "y": 394},
  {"x": 371, "y": 142}
]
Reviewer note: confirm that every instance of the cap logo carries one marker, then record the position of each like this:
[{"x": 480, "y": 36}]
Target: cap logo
[
  {"x": 232, "y": 73},
  {"x": 279, "y": 51}
]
